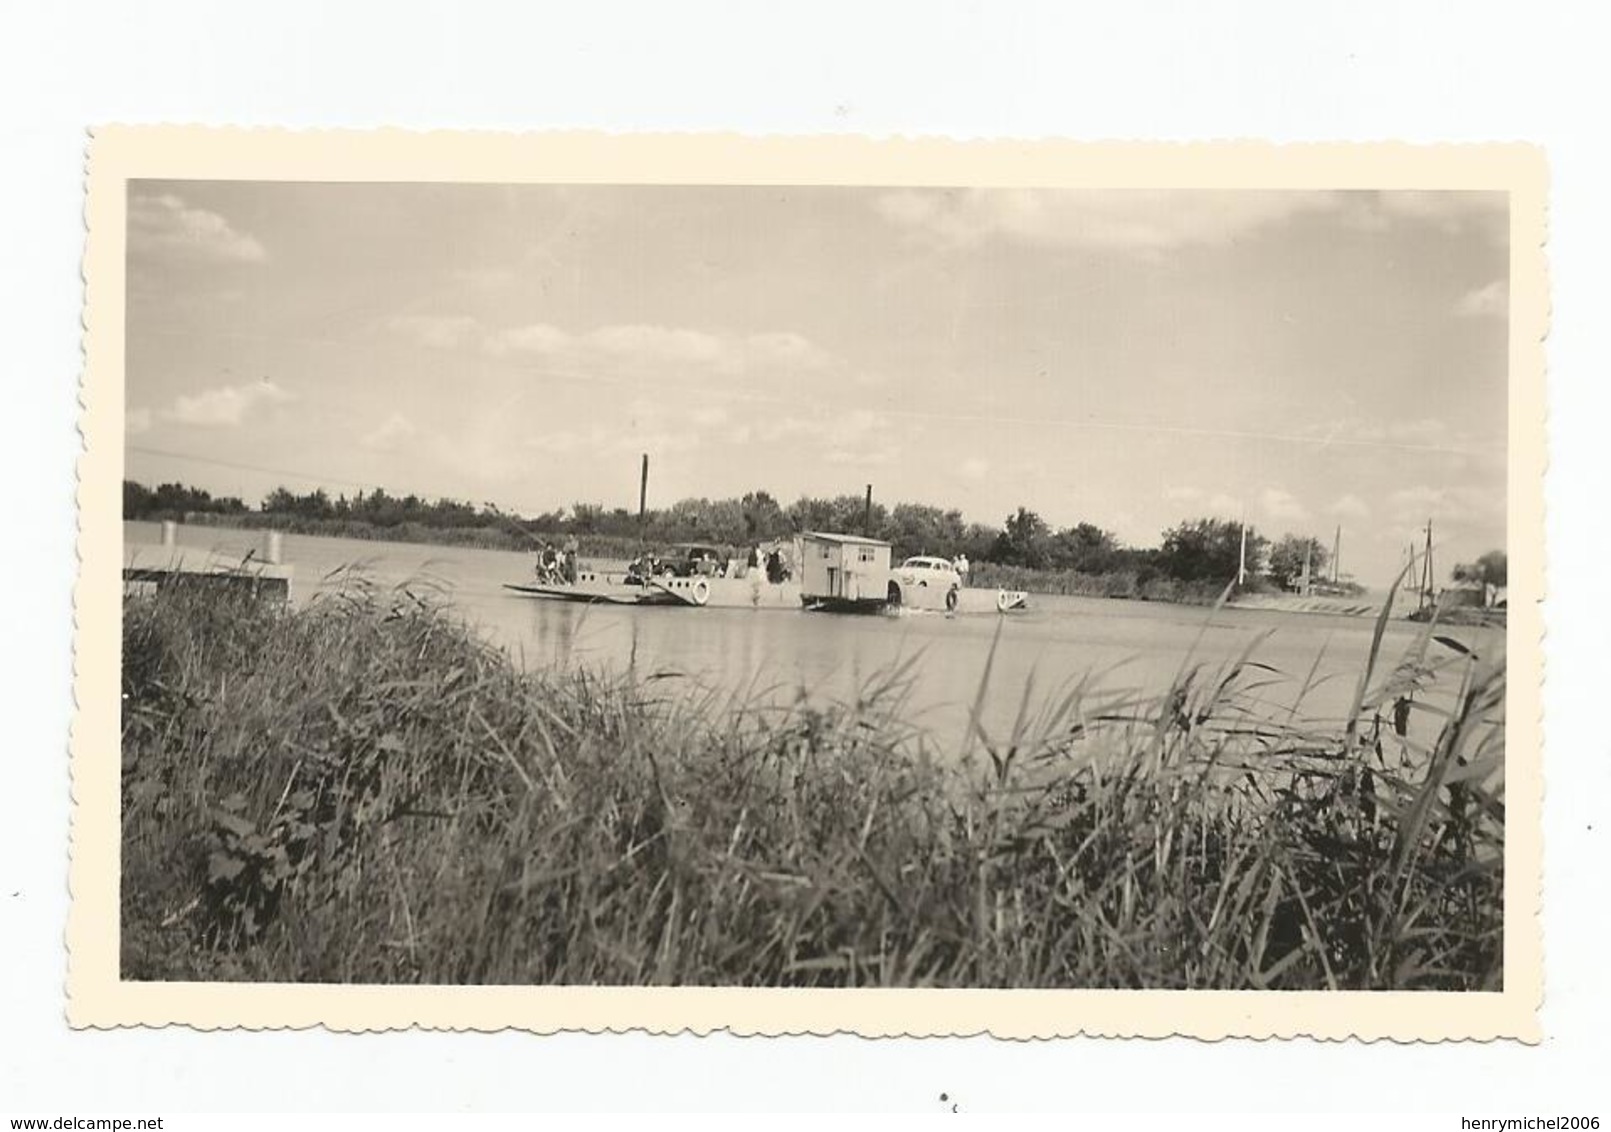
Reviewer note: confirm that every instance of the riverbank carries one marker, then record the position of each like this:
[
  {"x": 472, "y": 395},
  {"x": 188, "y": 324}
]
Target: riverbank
[
  {"x": 1132, "y": 585},
  {"x": 365, "y": 791},
  {"x": 477, "y": 537},
  {"x": 605, "y": 551}
]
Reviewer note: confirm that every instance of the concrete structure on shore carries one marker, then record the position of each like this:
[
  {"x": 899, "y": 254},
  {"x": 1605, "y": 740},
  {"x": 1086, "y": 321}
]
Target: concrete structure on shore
[{"x": 261, "y": 573}]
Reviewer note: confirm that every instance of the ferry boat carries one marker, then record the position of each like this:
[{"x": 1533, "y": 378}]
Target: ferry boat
[
  {"x": 593, "y": 587},
  {"x": 837, "y": 573}
]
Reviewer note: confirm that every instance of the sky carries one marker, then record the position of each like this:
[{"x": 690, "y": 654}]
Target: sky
[{"x": 1302, "y": 360}]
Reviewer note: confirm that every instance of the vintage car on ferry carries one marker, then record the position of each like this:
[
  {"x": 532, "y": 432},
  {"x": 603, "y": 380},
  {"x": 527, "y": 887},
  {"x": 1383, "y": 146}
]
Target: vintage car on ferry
[
  {"x": 693, "y": 559},
  {"x": 923, "y": 582}
]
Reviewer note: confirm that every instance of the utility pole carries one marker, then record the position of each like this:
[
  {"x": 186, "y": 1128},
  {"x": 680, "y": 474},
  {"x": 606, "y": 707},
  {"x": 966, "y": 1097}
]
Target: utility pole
[
  {"x": 1241, "y": 563},
  {"x": 1336, "y": 556},
  {"x": 1427, "y": 578},
  {"x": 643, "y": 497}
]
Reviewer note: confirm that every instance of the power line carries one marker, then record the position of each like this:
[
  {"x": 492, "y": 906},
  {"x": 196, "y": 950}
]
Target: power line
[
  {"x": 1328, "y": 440},
  {"x": 286, "y": 472},
  {"x": 595, "y": 376}
]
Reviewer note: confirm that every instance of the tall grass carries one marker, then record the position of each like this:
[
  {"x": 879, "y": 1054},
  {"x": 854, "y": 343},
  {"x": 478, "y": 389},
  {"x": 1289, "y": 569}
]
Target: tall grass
[{"x": 364, "y": 791}]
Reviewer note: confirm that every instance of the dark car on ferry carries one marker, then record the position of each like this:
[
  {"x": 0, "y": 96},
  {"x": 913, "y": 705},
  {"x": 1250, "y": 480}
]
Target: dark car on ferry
[{"x": 692, "y": 559}]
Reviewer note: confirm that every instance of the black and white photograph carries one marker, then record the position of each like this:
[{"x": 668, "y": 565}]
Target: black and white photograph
[
  {"x": 893, "y": 558},
  {"x": 822, "y": 587}
]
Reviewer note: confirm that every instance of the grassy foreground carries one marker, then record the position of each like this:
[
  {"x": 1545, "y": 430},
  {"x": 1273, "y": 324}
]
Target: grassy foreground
[{"x": 364, "y": 791}]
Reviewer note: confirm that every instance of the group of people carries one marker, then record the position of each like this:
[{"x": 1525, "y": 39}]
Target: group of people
[
  {"x": 645, "y": 566},
  {"x": 555, "y": 566},
  {"x": 559, "y": 566},
  {"x": 776, "y": 567}
]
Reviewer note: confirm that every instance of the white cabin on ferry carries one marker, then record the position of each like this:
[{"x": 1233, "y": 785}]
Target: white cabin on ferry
[{"x": 843, "y": 568}]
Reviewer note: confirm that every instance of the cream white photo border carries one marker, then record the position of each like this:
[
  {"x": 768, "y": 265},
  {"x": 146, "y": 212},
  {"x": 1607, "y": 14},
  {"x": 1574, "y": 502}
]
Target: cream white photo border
[{"x": 97, "y": 997}]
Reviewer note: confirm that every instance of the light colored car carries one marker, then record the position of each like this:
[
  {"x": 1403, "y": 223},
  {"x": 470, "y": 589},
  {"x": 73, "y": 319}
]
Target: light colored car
[{"x": 925, "y": 583}]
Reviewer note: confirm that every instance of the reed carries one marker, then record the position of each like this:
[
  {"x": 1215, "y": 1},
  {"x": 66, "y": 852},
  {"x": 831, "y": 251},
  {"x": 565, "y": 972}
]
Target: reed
[{"x": 365, "y": 791}]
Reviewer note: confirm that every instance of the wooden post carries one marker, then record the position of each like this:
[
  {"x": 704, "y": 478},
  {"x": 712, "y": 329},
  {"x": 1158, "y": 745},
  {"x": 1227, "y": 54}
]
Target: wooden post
[
  {"x": 643, "y": 496},
  {"x": 1428, "y": 581}
]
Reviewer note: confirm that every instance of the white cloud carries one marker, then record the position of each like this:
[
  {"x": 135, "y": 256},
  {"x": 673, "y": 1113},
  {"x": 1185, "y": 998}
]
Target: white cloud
[
  {"x": 136, "y": 421},
  {"x": 709, "y": 416},
  {"x": 787, "y": 349},
  {"x": 1492, "y": 300},
  {"x": 653, "y": 351},
  {"x": 482, "y": 278},
  {"x": 165, "y": 225},
  {"x": 1427, "y": 432},
  {"x": 225, "y": 406},
  {"x": 1411, "y": 501},
  {"x": 394, "y": 430},
  {"x": 1225, "y": 505},
  {"x": 1141, "y": 220},
  {"x": 538, "y": 338},
  {"x": 439, "y": 332},
  {"x": 858, "y": 437},
  {"x": 861, "y": 457},
  {"x": 615, "y": 441},
  {"x": 1202, "y": 502},
  {"x": 662, "y": 344},
  {"x": 858, "y": 428},
  {"x": 1467, "y": 504},
  {"x": 1148, "y": 221},
  {"x": 1451, "y": 210},
  {"x": 662, "y": 440},
  {"x": 1349, "y": 506},
  {"x": 1282, "y": 505},
  {"x": 640, "y": 425},
  {"x": 565, "y": 441}
]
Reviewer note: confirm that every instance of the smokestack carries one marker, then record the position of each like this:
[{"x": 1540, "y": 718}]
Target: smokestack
[{"x": 867, "y": 515}]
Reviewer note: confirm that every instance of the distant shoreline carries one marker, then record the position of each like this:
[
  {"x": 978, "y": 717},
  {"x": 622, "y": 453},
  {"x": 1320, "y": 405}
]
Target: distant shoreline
[{"x": 1128, "y": 585}]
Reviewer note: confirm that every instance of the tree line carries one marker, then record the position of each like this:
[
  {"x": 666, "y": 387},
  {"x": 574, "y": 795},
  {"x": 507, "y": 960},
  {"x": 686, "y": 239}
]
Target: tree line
[
  {"x": 1198, "y": 550},
  {"x": 175, "y": 501}
]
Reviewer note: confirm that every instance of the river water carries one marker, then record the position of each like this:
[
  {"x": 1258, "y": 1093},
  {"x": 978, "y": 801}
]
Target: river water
[{"x": 783, "y": 654}]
